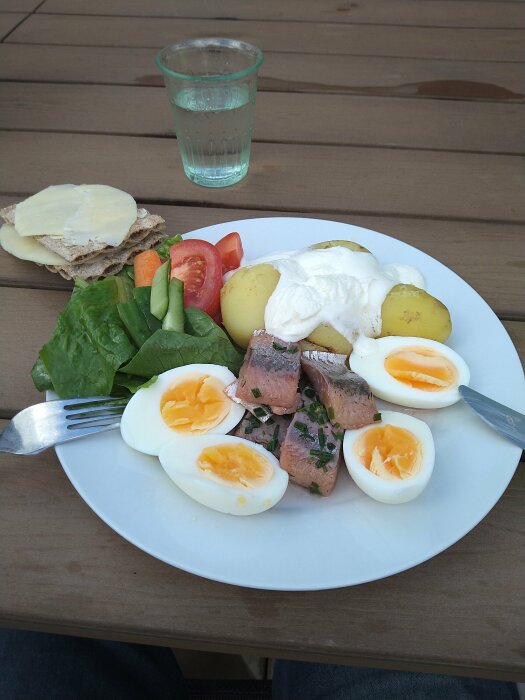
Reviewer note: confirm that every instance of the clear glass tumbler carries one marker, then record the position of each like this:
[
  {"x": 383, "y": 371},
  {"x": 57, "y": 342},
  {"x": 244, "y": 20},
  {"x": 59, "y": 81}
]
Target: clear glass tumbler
[{"x": 211, "y": 86}]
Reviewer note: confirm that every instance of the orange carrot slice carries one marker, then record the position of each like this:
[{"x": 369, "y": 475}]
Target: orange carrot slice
[{"x": 145, "y": 265}]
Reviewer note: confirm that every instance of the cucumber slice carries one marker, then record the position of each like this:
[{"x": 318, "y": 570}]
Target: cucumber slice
[
  {"x": 158, "y": 304},
  {"x": 174, "y": 318}
]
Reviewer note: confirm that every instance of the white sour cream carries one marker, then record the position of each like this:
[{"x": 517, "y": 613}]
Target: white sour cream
[{"x": 342, "y": 287}]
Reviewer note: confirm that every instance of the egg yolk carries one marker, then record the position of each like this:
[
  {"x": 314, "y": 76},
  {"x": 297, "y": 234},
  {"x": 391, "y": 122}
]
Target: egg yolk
[
  {"x": 422, "y": 368},
  {"x": 235, "y": 465},
  {"x": 197, "y": 404},
  {"x": 389, "y": 452}
]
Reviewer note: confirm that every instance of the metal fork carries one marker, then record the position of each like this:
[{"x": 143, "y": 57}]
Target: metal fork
[{"x": 46, "y": 424}]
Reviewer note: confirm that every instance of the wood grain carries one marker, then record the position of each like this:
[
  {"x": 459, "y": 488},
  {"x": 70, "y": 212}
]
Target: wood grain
[
  {"x": 284, "y": 176},
  {"x": 488, "y": 257},
  {"x": 19, "y": 5},
  {"x": 407, "y": 12},
  {"x": 392, "y": 77},
  {"x": 64, "y": 570},
  {"x": 8, "y": 21},
  {"x": 291, "y": 118},
  {"x": 304, "y": 37}
]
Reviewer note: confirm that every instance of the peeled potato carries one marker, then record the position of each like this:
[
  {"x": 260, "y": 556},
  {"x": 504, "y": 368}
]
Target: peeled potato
[
  {"x": 344, "y": 244},
  {"x": 408, "y": 310},
  {"x": 244, "y": 298}
]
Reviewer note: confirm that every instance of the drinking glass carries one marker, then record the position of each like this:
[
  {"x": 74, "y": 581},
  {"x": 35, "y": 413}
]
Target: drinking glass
[{"x": 211, "y": 86}]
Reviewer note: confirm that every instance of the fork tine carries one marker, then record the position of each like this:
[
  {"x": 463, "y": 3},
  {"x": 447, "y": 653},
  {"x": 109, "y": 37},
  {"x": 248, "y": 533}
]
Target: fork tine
[
  {"x": 73, "y": 406},
  {"x": 98, "y": 413},
  {"x": 78, "y": 432}
]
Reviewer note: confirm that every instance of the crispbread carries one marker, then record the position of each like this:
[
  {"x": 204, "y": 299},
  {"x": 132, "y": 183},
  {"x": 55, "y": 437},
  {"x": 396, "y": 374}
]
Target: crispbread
[
  {"x": 145, "y": 224},
  {"x": 109, "y": 262}
]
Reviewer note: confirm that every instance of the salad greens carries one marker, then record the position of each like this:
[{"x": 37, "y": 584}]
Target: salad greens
[{"x": 107, "y": 341}]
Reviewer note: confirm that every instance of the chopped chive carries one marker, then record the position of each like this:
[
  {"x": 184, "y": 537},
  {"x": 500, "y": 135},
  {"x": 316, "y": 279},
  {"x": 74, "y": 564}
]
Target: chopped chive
[
  {"x": 272, "y": 445},
  {"x": 310, "y": 393},
  {"x": 322, "y": 438},
  {"x": 316, "y": 412},
  {"x": 256, "y": 392},
  {"x": 377, "y": 416},
  {"x": 314, "y": 488},
  {"x": 338, "y": 436},
  {"x": 330, "y": 412},
  {"x": 259, "y": 412},
  {"x": 248, "y": 430},
  {"x": 302, "y": 428},
  {"x": 278, "y": 347},
  {"x": 292, "y": 349}
]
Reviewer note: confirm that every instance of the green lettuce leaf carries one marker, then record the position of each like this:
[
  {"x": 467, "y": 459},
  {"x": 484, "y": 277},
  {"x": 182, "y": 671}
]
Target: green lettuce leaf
[
  {"x": 89, "y": 342},
  {"x": 203, "y": 341},
  {"x": 164, "y": 248},
  {"x": 136, "y": 316}
]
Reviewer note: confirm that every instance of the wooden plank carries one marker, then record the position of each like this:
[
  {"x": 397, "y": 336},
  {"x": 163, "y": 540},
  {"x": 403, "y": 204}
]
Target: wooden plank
[
  {"x": 304, "y": 37},
  {"x": 407, "y": 12},
  {"x": 284, "y": 176},
  {"x": 281, "y": 72},
  {"x": 8, "y": 21},
  {"x": 19, "y": 5},
  {"x": 353, "y": 120},
  {"x": 487, "y": 256},
  {"x": 64, "y": 570}
]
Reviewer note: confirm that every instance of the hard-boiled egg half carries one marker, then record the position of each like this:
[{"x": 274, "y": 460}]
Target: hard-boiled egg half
[
  {"x": 226, "y": 473},
  {"x": 414, "y": 372},
  {"x": 187, "y": 400},
  {"x": 391, "y": 461}
]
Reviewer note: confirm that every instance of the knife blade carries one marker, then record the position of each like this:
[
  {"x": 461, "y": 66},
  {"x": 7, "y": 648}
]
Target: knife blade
[{"x": 505, "y": 420}]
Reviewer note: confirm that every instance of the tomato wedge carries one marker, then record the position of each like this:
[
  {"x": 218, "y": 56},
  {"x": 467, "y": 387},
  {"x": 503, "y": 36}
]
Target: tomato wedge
[
  {"x": 230, "y": 248},
  {"x": 198, "y": 265}
]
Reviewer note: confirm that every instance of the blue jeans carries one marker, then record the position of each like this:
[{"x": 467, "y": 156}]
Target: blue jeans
[{"x": 36, "y": 666}]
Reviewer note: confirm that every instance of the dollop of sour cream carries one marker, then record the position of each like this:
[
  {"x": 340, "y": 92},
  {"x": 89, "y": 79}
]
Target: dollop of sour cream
[{"x": 338, "y": 286}]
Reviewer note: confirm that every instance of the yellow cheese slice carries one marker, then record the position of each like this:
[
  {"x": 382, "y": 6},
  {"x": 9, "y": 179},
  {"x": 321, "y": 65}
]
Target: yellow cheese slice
[
  {"x": 27, "y": 248},
  {"x": 79, "y": 213},
  {"x": 44, "y": 213},
  {"x": 105, "y": 214}
]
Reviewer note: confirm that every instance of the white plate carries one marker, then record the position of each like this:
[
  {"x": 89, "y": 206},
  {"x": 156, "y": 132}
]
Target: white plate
[{"x": 307, "y": 542}]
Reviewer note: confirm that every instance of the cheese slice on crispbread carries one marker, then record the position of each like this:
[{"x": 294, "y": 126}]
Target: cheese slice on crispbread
[{"x": 86, "y": 258}]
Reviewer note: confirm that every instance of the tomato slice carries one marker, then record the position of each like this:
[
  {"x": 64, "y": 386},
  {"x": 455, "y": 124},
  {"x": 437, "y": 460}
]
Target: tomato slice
[
  {"x": 230, "y": 248},
  {"x": 198, "y": 265}
]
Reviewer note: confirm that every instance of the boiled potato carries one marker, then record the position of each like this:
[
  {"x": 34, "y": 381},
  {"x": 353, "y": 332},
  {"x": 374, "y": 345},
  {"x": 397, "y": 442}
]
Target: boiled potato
[
  {"x": 330, "y": 339},
  {"x": 244, "y": 298},
  {"x": 344, "y": 244},
  {"x": 408, "y": 310}
]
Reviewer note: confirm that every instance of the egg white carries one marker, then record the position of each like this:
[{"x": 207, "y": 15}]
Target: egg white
[
  {"x": 384, "y": 386},
  {"x": 179, "y": 460},
  {"x": 400, "y": 490},
  {"x": 142, "y": 426}
]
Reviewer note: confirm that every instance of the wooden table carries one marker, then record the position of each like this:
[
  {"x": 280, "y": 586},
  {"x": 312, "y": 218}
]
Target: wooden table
[{"x": 405, "y": 117}]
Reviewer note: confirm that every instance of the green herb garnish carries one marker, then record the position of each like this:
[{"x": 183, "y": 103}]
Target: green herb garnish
[
  {"x": 322, "y": 438},
  {"x": 377, "y": 416},
  {"x": 310, "y": 393},
  {"x": 302, "y": 428},
  {"x": 316, "y": 412},
  {"x": 330, "y": 412},
  {"x": 292, "y": 349},
  {"x": 256, "y": 392},
  {"x": 278, "y": 347},
  {"x": 272, "y": 445},
  {"x": 314, "y": 488}
]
